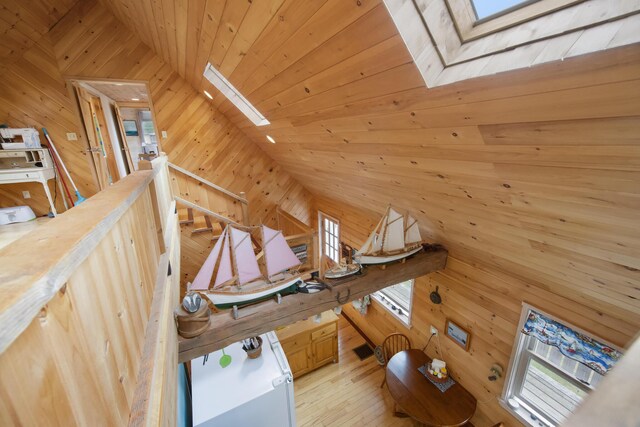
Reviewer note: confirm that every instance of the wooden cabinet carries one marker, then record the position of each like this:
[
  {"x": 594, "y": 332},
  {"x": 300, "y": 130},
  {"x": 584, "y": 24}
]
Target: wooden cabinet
[{"x": 309, "y": 345}]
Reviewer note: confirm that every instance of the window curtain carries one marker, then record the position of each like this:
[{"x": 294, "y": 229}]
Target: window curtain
[{"x": 594, "y": 354}]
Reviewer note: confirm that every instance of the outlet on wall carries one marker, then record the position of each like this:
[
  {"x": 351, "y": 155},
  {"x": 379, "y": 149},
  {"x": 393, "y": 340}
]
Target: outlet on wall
[
  {"x": 164, "y": 134},
  {"x": 434, "y": 330},
  {"x": 72, "y": 136},
  {"x": 26, "y": 195}
]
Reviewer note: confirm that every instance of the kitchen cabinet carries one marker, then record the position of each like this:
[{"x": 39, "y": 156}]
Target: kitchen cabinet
[{"x": 309, "y": 345}]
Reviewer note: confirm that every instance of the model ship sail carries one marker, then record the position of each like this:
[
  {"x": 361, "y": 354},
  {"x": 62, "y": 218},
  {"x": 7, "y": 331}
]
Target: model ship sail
[
  {"x": 390, "y": 240},
  {"x": 203, "y": 278},
  {"x": 412, "y": 233},
  {"x": 245, "y": 259},
  {"x": 242, "y": 281},
  {"x": 278, "y": 256}
]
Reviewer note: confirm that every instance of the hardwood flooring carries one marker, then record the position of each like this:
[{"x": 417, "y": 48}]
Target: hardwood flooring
[{"x": 347, "y": 393}]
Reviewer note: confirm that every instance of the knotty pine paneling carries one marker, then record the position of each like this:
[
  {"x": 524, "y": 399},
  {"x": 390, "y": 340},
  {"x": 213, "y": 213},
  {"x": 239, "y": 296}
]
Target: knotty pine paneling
[
  {"x": 483, "y": 299},
  {"x": 91, "y": 42},
  {"x": 22, "y": 25},
  {"x": 34, "y": 95},
  {"x": 534, "y": 172}
]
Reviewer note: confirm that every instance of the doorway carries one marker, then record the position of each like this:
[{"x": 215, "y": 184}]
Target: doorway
[{"x": 119, "y": 125}]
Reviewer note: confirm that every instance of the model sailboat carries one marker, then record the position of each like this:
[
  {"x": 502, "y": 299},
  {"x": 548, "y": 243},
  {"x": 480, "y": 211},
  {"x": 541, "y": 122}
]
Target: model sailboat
[
  {"x": 242, "y": 282},
  {"x": 394, "y": 238}
]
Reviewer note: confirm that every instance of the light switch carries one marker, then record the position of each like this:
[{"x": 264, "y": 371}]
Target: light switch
[
  {"x": 71, "y": 136},
  {"x": 164, "y": 134},
  {"x": 26, "y": 195}
]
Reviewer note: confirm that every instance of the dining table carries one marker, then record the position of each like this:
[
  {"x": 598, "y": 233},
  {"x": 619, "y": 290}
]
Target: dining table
[{"x": 420, "y": 399}]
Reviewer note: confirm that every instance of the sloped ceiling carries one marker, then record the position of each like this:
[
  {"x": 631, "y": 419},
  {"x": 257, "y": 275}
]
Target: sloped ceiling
[
  {"x": 535, "y": 172},
  {"x": 23, "y": 23}
]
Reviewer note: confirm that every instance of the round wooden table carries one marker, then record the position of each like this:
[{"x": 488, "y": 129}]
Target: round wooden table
[{"x": 420, "y": 399}]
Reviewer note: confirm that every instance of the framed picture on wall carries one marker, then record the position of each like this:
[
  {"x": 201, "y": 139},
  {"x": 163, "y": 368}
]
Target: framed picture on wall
[
  {"x": 457, "y": 334},
  {"x": 130, "y": 127}
]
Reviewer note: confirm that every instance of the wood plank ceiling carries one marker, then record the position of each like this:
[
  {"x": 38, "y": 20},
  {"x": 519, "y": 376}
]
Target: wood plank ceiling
[
  {"x": 535, "y": 171},
  {"x": 23, "y": 23}
]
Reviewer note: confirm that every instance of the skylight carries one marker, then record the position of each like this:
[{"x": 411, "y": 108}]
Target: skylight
[
  {"x": 235, "y": 97},
  {"x": 489, "y": 8}
]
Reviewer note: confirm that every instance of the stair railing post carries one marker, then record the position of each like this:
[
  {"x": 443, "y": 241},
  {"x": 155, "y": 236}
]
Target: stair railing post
[{"x": 245, "y": 210}]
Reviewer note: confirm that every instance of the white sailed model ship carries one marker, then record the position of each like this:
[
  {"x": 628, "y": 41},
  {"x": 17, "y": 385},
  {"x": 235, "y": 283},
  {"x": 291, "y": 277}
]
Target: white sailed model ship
[
  {"x": 241, "y": 281},
  {"x": 394, "y": 238}
]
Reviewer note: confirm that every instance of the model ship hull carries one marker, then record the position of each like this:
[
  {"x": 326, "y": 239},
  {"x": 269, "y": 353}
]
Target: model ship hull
[
  {"x": 342, "y": 271},
  {"x": 384, "y": 258},
  {"x": 253, "y": 292}
]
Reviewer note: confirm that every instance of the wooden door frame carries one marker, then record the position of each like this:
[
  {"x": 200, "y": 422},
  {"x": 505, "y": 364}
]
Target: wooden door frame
[
  {"x": 123, "y": 136},
  {"x": 100, "y": 181},
  {"x": 72, "y": 80}
]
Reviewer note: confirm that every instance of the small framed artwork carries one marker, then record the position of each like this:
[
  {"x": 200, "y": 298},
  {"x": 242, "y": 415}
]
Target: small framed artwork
[
  {"x": 130, "y": 127},
  {"x": 457, "y": 334}
]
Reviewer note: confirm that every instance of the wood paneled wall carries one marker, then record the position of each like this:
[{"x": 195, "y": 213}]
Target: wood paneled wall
[
  {"x": 533, "y": 172},
  {"x": 74, "y": 321},
  {"x": 90, "y": 42},
  {"x": 22, "y": 24},
  {"x": 34, "y": 95},
  {"x": 485, "y": 300}
]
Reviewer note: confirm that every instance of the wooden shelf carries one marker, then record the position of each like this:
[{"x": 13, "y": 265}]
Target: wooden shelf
[{"x": 269, "y": 315}]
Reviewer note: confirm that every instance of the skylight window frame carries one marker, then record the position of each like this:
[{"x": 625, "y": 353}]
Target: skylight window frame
[
  {"x": 469, "y": 27},
  {"x": 234, "y": 96}
]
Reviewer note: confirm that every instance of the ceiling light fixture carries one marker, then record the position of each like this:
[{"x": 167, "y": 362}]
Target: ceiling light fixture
[
  {"x": 235, "y": 97},
  {"x": 208, "y": 95},
  {"x": 135, "y": 99},
  {"x": 270, "y": 139}
]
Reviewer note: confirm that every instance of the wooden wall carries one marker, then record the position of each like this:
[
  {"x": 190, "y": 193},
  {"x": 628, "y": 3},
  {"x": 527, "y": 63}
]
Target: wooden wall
[
  {"x": 90, "y": 42},
  {"x": 486, "y": 301},
  {"x": 85, "y": 305},
  {"x": 533, "y": 172},
  {"x": 34, "y": 95}
]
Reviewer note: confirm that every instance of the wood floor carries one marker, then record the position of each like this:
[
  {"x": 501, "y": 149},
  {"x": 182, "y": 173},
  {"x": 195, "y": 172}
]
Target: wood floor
[{"x": 346, "y": 393}]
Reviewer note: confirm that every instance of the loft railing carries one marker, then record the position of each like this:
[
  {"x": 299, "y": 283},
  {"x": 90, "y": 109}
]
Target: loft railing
[
  {"x": 191, "y": 188},
  {"x": 87, "y": 335}
]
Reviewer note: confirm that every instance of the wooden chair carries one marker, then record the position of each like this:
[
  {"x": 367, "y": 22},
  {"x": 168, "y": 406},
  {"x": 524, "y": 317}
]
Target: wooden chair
[{"x": 392, "y": 344}]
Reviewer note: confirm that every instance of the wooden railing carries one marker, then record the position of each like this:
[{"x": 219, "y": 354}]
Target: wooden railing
[
  {"x": 86, "y": 327},
  {"x": 196, "y": 190}
]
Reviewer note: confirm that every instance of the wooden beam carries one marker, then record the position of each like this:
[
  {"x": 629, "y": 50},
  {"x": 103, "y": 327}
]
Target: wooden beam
[
  {"x": 209, "y": 183},
  {"x": 267, "y": 316},
  {"x": 217, "y": 216}
]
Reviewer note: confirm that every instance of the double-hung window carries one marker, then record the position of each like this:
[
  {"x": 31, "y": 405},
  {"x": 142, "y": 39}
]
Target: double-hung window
[
  {"x": 397, "y": 300},
  {"x": 554, "y": 366},
  {"x": 329, "y": 236}
]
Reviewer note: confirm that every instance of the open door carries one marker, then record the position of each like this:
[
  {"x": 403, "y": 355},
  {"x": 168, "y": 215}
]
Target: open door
[
  {"x": 100, "y": 145},
  {"x": 123, "y": 138}
]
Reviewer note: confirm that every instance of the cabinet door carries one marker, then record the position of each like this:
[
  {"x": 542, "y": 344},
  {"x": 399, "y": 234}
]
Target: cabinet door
[
  {"x": 299, "y": 361},
  {"x": 324, "y": 350}
]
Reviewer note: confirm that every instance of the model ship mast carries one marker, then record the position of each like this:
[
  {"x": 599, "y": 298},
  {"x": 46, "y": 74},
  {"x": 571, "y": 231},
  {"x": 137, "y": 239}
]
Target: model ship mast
[
  {"x": 238, "y": 278},
  {"x": 390, "y": 239}
]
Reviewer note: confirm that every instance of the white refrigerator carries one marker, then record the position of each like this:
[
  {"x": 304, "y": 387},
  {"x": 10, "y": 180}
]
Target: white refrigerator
[{"x": 248, "y": 392}]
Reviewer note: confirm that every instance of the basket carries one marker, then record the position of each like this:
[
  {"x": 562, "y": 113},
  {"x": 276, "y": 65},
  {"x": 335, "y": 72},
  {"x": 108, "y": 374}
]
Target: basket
[
  {"x": 192, "y": 324},
  {"x": 433, "y": 377},
  {"x": 256, "y": 352}
]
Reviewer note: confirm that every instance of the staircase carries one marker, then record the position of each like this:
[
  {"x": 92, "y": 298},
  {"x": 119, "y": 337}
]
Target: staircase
[{"x": 205, "y": 209}]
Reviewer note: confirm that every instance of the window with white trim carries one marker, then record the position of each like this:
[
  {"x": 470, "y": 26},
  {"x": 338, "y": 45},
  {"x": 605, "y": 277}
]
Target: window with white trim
[
  {"x": 397, "y": 299},
  {"x": 330, "y": 236},
  {"x": 543, "y": 386}
]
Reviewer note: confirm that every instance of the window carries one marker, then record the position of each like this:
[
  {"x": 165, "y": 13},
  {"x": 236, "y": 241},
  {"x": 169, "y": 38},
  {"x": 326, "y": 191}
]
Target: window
[
  {"x": 544, "y": 386},
  {"x": 454, "y": 40},
  {"x": 235, "y": 97},
  {"x": 397, "y": 299},
  {"x": 329, "y": 236},
  {"x": 490, "y": 8}
]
